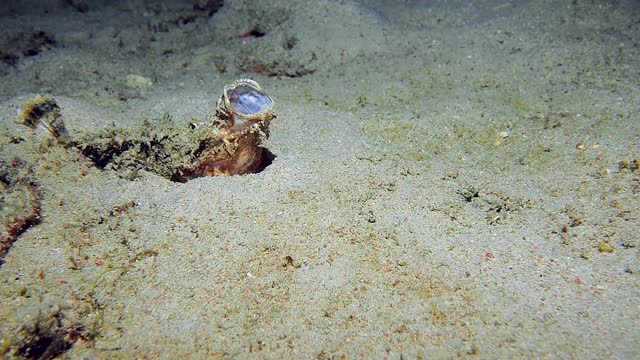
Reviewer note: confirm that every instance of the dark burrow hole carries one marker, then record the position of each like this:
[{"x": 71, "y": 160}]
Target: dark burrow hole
[
  {"x": 267, "y": 159},
  {"x": 45, "y": 346},
  {"x": 255, "y": 33},
  {"x": 209, "y": 6}
]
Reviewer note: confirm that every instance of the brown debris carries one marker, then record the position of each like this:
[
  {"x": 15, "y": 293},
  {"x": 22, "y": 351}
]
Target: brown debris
[{"x": 20, "y": 203}]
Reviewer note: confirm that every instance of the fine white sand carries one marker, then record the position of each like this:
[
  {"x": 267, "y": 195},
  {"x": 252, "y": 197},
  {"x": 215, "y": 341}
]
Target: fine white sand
[{"x": 451, "y": 179}]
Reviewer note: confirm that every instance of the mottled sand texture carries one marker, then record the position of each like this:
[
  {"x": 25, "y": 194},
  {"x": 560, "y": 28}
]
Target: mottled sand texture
[{"x": 451, "y": 179}]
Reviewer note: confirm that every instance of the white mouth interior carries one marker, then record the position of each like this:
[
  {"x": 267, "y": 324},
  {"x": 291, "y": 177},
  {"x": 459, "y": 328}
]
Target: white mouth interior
[{"x": 249, "y": 101}]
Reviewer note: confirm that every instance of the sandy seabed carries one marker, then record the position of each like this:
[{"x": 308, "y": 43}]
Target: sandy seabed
[{"x": 449, "y": 179}]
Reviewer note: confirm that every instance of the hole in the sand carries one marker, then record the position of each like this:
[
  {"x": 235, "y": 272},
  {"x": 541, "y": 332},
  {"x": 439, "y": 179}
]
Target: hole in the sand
[
  {"x": 267, "y": 159},
  {"x": 254, "y": 33},
  {"x": 48, "y": 346}
]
